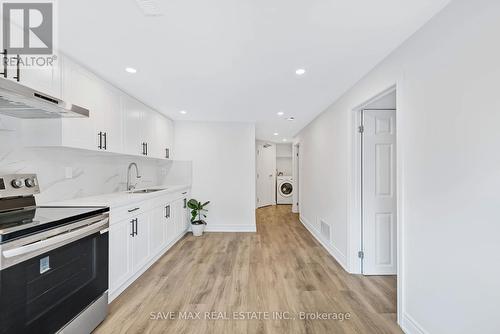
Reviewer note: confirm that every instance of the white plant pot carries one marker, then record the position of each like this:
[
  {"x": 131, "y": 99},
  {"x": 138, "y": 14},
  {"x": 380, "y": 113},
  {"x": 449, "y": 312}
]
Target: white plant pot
[{"x": 198, "y": 230}]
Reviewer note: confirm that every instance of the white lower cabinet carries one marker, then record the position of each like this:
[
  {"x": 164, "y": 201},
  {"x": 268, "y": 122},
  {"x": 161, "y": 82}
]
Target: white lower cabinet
[
  {"x": 142, "y": 235},
  {"x": 120, "y": 249},
  {"x": 158, "y": 233},
  {"x": 181, "y": 215},
  {"x": 140, "y": 242}
]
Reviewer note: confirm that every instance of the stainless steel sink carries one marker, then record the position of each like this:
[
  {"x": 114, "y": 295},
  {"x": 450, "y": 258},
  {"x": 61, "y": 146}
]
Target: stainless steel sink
[{"x": 146, "y": 191}]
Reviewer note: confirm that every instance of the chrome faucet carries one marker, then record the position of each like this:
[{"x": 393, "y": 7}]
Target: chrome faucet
[{"x": 129, "y": 186}]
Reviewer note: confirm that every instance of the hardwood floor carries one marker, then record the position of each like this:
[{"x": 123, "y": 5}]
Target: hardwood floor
[{"x": 281, "y": 268}]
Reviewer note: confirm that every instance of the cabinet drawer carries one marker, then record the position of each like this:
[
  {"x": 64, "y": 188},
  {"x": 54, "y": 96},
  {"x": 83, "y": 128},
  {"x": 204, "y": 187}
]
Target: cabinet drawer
[{"x": 128, "y": 211}]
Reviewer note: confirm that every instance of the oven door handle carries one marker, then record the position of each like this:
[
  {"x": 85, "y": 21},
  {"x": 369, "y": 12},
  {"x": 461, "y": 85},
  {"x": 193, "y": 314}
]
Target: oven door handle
[{"x": 57, "y": 239}]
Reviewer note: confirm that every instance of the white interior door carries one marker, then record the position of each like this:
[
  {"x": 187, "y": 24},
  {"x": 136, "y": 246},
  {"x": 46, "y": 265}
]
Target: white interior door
[
  {"x": 379, "y": 192},
  {"x": 266, "y": 169}
]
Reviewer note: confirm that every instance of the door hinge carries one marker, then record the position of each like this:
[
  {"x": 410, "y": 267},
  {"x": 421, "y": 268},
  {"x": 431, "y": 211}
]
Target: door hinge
[
  {"x": 361, "y": 254},
  {"x": 361, "y": 129}
]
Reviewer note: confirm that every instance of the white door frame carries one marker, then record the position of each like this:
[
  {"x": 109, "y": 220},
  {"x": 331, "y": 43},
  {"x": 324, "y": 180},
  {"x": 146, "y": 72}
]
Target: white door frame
[
  {"x": 296, "y": 177},
  {"x": 354, "y": 231},
  {"x": 260, "y": 147}
]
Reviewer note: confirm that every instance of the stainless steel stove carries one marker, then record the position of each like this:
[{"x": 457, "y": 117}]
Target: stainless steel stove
[{"x": 53, "y": 262}]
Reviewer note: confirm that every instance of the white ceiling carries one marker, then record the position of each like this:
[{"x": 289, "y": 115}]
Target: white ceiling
[{"x": 235, "y": 60}]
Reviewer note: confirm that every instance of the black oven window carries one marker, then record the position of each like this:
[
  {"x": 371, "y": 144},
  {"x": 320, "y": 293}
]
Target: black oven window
[
  {"x": 55, "y": 278},
  {"x": 44, "y": 293}
]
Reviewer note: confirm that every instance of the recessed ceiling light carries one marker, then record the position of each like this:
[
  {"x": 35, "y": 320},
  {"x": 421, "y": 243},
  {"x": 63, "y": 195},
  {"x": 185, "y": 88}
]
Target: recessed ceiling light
[
  {"x": 284, "y": 139},
  {"x": 276, "y": 134},
  {"x": 280, "y": 113},
  {"x": 291, "y": 118},
  {"x": 131, "y": 70},
  {"x": 300, "y": 71},
  {"x": 184, "y": 112}
]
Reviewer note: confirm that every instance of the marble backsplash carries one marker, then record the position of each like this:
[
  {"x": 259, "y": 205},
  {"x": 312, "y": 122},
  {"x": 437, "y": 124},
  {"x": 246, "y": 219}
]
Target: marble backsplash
[{"x": 65, "y": 173}]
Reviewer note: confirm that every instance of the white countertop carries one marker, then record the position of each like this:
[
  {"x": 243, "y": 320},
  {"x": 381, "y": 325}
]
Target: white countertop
[{"x": 119, "y": 198}]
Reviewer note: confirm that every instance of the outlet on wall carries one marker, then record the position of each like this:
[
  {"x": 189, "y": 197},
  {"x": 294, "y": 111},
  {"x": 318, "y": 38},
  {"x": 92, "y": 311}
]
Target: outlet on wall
[{"x": 68, "y": 172}]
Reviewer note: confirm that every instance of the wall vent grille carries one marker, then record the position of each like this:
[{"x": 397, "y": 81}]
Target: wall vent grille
[{"x": 150, "y": 7}]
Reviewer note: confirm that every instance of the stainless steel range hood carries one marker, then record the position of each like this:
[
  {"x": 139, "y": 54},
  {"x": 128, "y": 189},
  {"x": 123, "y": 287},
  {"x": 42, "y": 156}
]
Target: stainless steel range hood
[{"x": 20, "y": 101}]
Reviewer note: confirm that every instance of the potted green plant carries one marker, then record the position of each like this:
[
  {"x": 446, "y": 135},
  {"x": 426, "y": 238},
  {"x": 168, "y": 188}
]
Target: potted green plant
[{"x": 197, "y": 214}]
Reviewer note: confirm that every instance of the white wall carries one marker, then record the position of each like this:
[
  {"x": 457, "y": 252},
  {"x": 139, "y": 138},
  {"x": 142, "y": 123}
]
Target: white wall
[
  {"x": 284, "y": 159},
  {"x": 223, "y": 160},
  {"x": 448, "y": 105}
]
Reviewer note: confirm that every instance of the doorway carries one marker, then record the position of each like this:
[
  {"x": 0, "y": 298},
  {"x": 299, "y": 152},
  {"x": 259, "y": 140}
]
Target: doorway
[
  {"x": 296, "y": 177},
  {"x": 265, "y": 174},
  {"x": 378, "y": 180}
]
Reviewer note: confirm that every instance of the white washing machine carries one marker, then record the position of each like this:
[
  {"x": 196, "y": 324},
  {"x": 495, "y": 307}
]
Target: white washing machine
[{"x": 284, "y": 190}]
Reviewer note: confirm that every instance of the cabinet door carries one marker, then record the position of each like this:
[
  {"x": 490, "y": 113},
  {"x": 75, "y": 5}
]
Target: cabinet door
[
  {"x": 45, "y": 79},
  {"x": 158, "y": 230},
  {"x": 150, "y": 123},
  {"x": 133, "y": 112},
  {"x": 120, "y": 266},
  {"x": 170, "y": 137},
  {"x": 181, "y": 219},
  {"x": 171, "y": 223},
  {"x": 140, "y": 247},
  {"x": 185, "y": 215},
  {"x": 163, "y": 131},
  {"x": 108, "y": 116},
  {"x": 80, "y": 88}
]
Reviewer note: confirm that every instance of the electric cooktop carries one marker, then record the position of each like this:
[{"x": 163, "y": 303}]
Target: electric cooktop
[{"x": 23, "y": 221}]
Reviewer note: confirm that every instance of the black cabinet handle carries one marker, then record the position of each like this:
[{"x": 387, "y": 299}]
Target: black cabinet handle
[
  {"x": 146, "y": 148},
  {"x": 136, "y": 227},
  {"x": 185, "y": 203},
  {"x": 167, "y": 211},
  {"x": 105, "y": 135},
  {"x": 99, "y": 146},
  {"x": 4, "y": 61},
  {"x": 18, "y": 70},
  {"x": 167, "y": 153},
  {"x": 132, "y": 233},
  {"x": 134, "y": 209}
]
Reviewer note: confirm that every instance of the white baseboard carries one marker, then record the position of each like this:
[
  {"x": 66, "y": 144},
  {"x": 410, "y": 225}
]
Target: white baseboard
[
  {"x": 410, "y": 326},
  {"x": 334, "y": 251},
  {"x": 231, "y": 228}
]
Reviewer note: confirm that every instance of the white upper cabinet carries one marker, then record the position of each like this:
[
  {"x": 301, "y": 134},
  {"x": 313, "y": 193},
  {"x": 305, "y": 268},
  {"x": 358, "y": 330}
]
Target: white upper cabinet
[
  {"x": 45, "y": 79},
  {"x": 79, "y": 87},
  {"x": 117, "y": 122},
  {"x": 146, "y": 132},
  {"x": 102, "y": 130},
  {"x": 133, "y": 124},
  {"x": 39, "y": 72},
  {"x": 161, "y": 136}
]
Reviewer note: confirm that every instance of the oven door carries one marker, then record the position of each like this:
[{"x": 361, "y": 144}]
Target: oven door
[{"x": 45, "y": 283}]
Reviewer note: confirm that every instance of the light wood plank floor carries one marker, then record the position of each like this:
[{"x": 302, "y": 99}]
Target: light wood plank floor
[{"x": 281, "y": 268}]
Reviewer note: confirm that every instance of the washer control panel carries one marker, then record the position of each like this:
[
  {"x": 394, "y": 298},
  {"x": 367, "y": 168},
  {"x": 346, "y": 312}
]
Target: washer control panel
[{"x": 15, "y": 185}]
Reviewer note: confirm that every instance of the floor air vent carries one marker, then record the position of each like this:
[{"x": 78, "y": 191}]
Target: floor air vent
[{"x": 325, "y": 230}]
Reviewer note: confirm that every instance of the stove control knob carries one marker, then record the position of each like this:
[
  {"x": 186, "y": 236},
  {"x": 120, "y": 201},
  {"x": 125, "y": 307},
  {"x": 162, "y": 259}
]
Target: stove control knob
[
  {"x": 17, "y": 183},
  {"x": 30, "y": 183}
]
